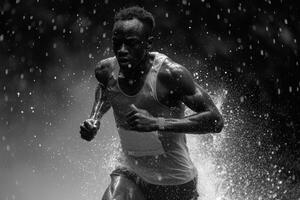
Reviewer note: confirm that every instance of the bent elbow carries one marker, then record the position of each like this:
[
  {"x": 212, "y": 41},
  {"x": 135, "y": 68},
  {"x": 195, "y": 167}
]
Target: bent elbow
[{"x": 219, "y": 124}]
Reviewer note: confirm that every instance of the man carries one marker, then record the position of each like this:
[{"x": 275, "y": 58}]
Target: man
[{"x": 148, "y": 93}]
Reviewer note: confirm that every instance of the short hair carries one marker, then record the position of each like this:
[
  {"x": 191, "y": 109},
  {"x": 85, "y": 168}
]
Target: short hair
[{"x": 136, "y": 12}]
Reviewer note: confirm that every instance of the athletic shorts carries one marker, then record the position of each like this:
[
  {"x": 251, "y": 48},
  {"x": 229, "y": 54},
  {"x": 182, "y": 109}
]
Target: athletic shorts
[{"x": 187, "y": 191}]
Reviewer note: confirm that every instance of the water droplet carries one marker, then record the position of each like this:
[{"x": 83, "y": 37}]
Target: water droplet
[{"x": 81, "y": 30}]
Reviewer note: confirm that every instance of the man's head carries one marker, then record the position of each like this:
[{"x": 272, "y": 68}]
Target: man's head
[{"x": 132, "y": 35}]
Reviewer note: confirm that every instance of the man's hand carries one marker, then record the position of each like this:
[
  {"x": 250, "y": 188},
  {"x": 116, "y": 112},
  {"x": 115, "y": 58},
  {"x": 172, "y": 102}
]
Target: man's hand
[
  {"x": 89, "y": 129},
  {"x": 141, "y": 120}
]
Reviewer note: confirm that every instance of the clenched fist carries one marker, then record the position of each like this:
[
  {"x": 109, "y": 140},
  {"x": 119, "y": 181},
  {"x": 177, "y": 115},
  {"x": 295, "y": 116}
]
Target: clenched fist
[{"x": 89, "y": 129}]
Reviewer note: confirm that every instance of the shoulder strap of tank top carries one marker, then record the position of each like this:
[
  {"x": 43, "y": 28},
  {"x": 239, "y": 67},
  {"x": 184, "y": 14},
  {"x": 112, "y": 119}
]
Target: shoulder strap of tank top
[{"x": 158, "y": 61}]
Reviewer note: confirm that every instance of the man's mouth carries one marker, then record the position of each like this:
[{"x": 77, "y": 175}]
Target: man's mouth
[{"x": 123, "y": 60}]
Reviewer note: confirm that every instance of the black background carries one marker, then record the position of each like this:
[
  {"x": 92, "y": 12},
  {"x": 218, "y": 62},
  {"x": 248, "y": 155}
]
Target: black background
[{"x": 245, "y": 53}]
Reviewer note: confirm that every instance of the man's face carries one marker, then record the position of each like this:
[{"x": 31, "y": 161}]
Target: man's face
[{"x": 129, "y": 42}]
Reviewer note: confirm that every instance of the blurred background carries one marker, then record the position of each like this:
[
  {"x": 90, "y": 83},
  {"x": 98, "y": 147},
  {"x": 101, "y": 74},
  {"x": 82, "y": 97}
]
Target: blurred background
[{"x": 244, "y": 53}]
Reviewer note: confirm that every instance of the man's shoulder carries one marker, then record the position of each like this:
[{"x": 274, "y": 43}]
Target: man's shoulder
[
  {"x": 106, "y": 63},
  {"x": 105, "y": 66},
  {"x": 172, "y": 69},
  {"x": 175, "y": 75}
]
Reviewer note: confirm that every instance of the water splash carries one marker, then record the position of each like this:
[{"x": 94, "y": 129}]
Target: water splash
[
  {"x": 232, "y": 165},
  {"x": 212, "y": 182}
]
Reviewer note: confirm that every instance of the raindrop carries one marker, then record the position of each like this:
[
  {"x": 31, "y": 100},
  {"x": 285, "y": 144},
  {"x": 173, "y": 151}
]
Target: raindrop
[
  {"x": 242, "y": 99},
  {"x": 81, "y": 30},
  {"x": 159, "y": 177},
  {"x": 262, "y": 52}
]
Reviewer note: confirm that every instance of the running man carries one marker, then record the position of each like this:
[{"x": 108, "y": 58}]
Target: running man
[{"x": 148, "y": 93}]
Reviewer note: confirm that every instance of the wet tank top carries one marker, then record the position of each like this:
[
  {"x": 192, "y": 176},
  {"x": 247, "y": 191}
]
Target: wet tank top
[{"x": 160, "y": 158}]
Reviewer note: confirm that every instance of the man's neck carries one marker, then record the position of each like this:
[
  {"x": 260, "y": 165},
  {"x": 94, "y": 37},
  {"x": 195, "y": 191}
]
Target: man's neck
[{"x": 136, "y": 72}]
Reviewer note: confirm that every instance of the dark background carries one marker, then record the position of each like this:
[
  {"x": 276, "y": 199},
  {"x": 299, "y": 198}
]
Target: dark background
[{"x": 245, "y": 53}]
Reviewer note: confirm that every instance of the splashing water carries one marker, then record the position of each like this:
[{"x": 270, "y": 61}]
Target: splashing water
[
  {"x": 224, "y": 173},
  {"x": 211, "y": 181}
]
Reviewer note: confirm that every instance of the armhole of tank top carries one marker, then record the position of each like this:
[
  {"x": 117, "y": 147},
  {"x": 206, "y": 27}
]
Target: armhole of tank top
[{"x": 155, "y": 84}]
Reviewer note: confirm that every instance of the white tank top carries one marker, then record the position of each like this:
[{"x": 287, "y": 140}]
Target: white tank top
[{"x": 160, "y": 158}]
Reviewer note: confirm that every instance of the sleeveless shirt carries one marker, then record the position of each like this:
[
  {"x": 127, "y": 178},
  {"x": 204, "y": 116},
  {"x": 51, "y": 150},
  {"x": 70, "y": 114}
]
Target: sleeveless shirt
[{"x": 158, "y": 157}]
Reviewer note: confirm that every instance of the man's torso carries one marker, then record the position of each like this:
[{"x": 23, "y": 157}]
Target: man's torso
[{"x": 160, "y": 158}]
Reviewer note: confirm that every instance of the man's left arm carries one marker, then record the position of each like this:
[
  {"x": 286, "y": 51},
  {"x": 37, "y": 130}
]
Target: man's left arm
[{"x": 207, "y": 118}]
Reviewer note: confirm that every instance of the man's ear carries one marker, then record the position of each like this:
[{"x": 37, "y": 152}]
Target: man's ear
[{"x": 149, "y": 42}]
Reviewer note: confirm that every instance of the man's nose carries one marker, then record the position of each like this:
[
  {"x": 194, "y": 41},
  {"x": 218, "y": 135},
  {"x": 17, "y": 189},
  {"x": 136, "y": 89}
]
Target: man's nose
[{"x": 123, "y": 49}]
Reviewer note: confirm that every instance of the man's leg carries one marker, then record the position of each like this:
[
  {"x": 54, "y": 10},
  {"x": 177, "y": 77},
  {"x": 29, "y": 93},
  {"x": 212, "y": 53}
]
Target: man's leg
[{"x": 122, "y": 188}]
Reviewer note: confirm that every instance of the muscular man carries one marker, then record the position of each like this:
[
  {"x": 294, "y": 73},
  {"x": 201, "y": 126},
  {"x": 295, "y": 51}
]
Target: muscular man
[{"x": 148, "y": 93}]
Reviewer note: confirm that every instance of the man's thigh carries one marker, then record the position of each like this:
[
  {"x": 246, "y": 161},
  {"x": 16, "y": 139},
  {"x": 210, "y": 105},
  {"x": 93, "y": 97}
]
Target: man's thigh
[{"x": 122, "y": 188}]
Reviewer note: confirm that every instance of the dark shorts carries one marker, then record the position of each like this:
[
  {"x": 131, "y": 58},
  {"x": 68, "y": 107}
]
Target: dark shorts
[{"x": 187, "y": 191}]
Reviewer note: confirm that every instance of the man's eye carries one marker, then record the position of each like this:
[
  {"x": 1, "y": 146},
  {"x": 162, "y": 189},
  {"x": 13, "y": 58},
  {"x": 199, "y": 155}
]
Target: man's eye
[
  {"x": 132, "y": 42},
  {"x": 116, "y": 42}
]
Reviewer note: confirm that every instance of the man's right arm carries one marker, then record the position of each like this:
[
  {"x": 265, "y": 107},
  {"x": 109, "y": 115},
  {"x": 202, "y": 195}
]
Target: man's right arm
[{"x": 101, "y": 105}]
